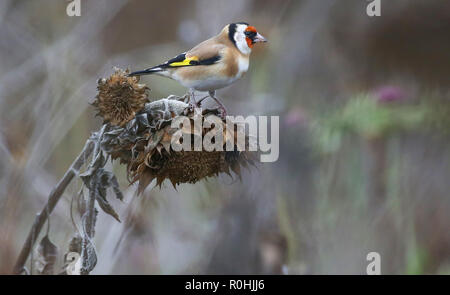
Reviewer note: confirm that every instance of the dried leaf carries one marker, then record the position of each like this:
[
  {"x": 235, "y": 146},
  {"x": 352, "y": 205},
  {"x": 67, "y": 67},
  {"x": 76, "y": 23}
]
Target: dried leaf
[
  {"x": 89, "y": 258},
  {"x": 72, "y": 256},
  {"x": 48, "y": 255},
  {"x": 144, "y": 180},
  {"x": 75, "y": 244},
  {"x": 159, "y": 148},
  {"x": 88, "y": 253},
  {"x": 154, "y": 140},
  {"x": 106, "y": 207}
]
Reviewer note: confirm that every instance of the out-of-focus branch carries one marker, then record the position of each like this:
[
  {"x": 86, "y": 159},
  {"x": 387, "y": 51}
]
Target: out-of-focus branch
[{"x": 53, "y": 199}]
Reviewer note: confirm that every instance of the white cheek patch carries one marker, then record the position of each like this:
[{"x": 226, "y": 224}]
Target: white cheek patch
[{"x": 241, "y": 43}]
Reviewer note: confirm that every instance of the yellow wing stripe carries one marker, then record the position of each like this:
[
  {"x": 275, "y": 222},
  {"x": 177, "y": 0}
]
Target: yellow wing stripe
[{"x": 185, "y": 62}]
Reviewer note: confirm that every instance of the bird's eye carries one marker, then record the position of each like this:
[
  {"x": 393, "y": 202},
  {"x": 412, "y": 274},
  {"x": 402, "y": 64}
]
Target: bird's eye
[{"x": 250, "y": 34}]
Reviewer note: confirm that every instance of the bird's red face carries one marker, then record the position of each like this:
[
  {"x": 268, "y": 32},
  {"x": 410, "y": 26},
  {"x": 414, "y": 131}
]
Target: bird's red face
[
  {"x": 252, "y": 36},
  {"x": 244, "y": 36}
]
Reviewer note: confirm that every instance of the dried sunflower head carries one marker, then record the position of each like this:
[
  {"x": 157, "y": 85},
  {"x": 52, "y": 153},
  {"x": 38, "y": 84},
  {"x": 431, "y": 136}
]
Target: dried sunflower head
[
  {"x": 120, "y": 97},
  {"x": 154, "y": 158},
  {"x": 141, "y": 136}
]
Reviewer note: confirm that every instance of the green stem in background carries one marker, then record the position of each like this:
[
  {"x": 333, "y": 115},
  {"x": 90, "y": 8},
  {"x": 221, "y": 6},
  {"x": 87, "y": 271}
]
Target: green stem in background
[{"x": 377, "y": 172}]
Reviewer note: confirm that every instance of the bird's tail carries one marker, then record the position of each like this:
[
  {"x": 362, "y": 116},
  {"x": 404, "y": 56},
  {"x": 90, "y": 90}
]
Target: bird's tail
[{"x": 147, "y": 71}]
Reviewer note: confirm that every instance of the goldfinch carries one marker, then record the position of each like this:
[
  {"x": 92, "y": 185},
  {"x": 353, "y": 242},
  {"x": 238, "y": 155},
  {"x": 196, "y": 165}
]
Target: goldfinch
[{"x": 212, "y": 64}]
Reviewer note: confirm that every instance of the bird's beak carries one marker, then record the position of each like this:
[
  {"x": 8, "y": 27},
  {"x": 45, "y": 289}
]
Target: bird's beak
[{"x": 259, "y": 38}]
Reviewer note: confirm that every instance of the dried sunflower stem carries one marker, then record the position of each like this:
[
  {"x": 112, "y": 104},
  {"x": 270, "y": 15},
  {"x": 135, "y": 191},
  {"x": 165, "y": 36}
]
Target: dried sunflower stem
[
  {"x": 90, "y": 222},
  {"x": 91, "y": 214},
  {"x": 90, "y": 227},
  {"x": 53, "y": 199}
]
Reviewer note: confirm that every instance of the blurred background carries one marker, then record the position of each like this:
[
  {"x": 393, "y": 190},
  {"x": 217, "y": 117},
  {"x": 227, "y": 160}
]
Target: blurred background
[{"x": 364, "y": 135}]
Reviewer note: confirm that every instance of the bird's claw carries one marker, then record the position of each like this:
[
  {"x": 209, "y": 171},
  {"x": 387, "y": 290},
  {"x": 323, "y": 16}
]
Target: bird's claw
[
  {"x": 191, "y": 106},
  {"x": 222, "y": 112}
]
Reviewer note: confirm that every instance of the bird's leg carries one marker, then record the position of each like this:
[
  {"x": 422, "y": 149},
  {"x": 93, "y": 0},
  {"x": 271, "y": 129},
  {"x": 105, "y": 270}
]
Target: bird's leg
[
  {"x": 202, "y": 99},
  {"x": 192, "y": 98},
  {"x": 221, "y": 106}
]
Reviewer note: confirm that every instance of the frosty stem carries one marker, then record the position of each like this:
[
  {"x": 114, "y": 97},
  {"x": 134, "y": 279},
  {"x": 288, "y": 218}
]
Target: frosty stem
[{"x": 53, "y": 199}]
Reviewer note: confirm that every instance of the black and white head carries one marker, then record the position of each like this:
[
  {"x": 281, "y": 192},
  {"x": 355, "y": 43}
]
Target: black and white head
[{"x": 244, "y": 36}]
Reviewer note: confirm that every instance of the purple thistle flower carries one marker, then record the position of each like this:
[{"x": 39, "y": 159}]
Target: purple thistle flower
[
  {"x": 390, "y": 94},
  {"x": 295, "y": 117}
]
